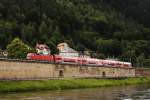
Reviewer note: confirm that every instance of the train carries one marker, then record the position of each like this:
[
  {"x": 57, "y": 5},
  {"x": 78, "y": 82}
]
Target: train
[{"x": 78, "y": 60}]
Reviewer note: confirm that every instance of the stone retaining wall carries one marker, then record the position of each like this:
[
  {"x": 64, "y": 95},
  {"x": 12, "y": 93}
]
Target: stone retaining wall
[
  {"x": 35, "y": 70},
  {"x": 142, "y": 72}
]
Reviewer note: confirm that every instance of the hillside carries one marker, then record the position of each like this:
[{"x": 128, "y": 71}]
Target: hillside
[
  {"x": 110, "y": 28},
  {"x": 137, "y": 9}
]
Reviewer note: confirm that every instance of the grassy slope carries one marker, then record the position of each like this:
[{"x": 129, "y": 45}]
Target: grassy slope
[{"x": 21, "y": 86}]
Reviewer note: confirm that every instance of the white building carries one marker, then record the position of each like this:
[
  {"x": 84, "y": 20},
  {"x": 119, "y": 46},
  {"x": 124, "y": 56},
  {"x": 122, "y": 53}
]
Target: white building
[{"x": 65, "y": 50}]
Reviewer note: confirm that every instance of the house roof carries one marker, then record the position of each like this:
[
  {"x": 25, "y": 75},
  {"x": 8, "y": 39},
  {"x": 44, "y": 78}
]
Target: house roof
[
  {"x": 42, "y": 46},
  {"x": 64, "y": 47}
]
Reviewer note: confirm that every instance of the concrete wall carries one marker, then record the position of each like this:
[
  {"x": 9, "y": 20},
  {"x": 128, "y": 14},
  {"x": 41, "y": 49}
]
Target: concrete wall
[{"x": 32, "y": 70}]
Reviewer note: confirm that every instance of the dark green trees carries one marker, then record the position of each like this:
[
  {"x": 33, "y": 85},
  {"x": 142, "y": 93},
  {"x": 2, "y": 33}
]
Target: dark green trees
[{"x": 110, "y": 28}]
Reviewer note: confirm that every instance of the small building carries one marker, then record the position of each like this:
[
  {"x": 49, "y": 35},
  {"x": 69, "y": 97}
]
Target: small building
[
  {"x": 65, "y": 50},
  {"x": 42, "y": 49},
  {"x": 3, "y": 53}
]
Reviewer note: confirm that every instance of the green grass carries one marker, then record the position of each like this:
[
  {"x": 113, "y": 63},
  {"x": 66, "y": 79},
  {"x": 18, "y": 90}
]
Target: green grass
[{"x": 22, "y": 86}]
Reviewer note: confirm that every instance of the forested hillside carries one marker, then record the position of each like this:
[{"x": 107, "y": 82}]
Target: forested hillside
[
  {"x": 114, "y": 28},
  {"x": 137, "y": 9}
]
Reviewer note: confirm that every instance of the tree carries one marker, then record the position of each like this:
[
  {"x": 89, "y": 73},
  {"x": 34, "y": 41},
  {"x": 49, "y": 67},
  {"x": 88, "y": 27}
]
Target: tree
[
  {"x": 43, "y": 29},
  {"x": 99, "y": 25},
  {"x": 140, "y": 60},
  {"x": 18, "y": 49},
  {"x": 129, "y": 56},
  {"x": 6, "y": 33},
  {"x": 27, "y": 32}
]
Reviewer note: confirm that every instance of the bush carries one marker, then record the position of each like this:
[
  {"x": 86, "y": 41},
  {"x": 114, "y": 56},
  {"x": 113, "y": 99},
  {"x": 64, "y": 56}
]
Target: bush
[{"x": 18, "y": 49}]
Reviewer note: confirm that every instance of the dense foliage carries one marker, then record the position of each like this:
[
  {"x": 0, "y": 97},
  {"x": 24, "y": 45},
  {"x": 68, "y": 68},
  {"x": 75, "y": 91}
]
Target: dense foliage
[
  {"x": 137, "y": 9},
  {"x": 17, "y": 49},
  {"x": 114, "y": 28}
]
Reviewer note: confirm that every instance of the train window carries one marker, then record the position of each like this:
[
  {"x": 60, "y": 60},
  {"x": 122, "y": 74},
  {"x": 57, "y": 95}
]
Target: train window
[
  {"x": 61, "y": 73},
  {"x": 103, "y": 74}
]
